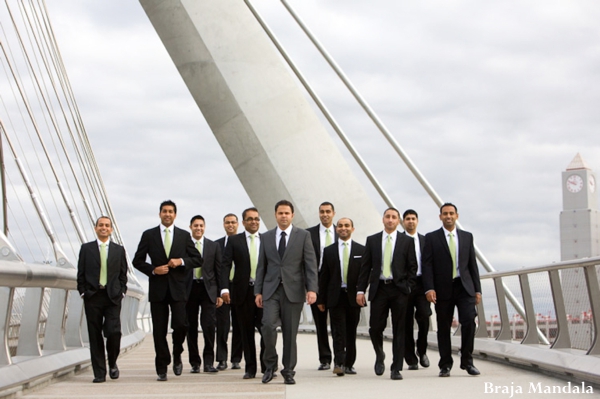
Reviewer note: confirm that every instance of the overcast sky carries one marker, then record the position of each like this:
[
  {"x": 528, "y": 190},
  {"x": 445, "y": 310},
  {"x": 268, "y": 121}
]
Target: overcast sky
[{"x": 491, "y": 100}]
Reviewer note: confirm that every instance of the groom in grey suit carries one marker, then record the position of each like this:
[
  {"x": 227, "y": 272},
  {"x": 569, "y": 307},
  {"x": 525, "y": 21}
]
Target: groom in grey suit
[{"x": 286, "y": 276}]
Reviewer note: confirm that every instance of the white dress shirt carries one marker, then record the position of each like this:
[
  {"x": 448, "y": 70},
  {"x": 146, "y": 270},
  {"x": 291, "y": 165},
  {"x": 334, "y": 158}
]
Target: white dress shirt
[{"x": 278, "y": 236}]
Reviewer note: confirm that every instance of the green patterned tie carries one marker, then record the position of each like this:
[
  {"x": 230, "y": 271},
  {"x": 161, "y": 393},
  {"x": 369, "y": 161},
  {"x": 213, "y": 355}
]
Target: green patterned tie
[
  {"x": 328, "y": 240},
  {"x": 346, "y": 255},
  {"x": 452, "y": 246},
  {"x": 387, "y": 258},
  {"x": 103, "y": 265},
  {"x": 253, "y": 257},
  {"x": 198, "y": 270},
  {"x": 167, "y": 242}
]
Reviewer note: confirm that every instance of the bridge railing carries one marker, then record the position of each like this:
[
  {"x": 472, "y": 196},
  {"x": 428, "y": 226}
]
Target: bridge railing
[
  {"x": 42, "y": 325},
  {"x": 542, "y": 291},
  {"x": 559, "y": 331}
]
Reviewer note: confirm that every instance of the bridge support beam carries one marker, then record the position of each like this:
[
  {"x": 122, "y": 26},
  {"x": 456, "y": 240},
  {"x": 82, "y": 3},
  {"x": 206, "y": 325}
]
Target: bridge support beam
[{"x": 256, "y": 110}]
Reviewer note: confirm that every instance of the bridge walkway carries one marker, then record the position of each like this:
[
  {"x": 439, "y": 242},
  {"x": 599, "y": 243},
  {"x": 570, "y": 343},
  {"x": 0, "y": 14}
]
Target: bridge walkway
[{"x": 138, "y": 380}]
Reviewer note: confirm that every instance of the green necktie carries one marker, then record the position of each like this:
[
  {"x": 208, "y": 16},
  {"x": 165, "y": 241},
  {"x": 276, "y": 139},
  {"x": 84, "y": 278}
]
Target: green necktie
[
  {"x": 253, "y": 257},
  {"x": 452, "y": 246},
  {"x": 167, "y": 242},
  {"x": 103, "y": 266},
  {"x": 198, "y": 270},
  {"x": 328, "y": 240},
  {"x": 346, "y": 256},
  {"x": 387, "y": 258}
]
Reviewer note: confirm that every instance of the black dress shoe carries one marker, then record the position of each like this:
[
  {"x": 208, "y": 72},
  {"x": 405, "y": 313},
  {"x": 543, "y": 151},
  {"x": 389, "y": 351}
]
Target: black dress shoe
[
  {"x": 288, "y": 379},
  {"x": 424, "y": 360},
  {"x": 350, "y": 370},
  {"x": 113, "y": 372},
  {"x": 339, "y": 370},
  {"x": 396, "y": 375},
  {"x": 162, "y": 377},
  {"x": 444, "y": 372},
  {"x": 249, "y": 376},
  {"x": 98, "y": 379},
  {"x": 324, "y": 366},
  {"x": 235, "y": 366},
  {"x": 222, "y": 365},
  {"x": 195, "y": 369},
  {"x": 379, "y": 368},
  {"x": 177, "y": 368},
  {"x": 210, "y": 369},
  {"x": 472, "y": 370},
  {"x": 413, "y": 366},
  {"x": 267, "y": 376}
]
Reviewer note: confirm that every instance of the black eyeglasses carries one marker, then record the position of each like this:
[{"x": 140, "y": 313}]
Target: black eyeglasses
[{"x": 252, "y": 220}]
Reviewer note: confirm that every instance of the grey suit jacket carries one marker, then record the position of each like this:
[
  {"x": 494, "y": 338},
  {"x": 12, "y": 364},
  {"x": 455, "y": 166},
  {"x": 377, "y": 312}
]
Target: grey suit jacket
[{"x": 297, "y": 271}]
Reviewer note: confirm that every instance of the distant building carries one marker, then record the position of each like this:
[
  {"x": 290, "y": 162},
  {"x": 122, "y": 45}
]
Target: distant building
[{"x": 579, "y": 238}]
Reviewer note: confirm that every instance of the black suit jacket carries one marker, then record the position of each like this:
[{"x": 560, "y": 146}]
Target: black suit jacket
[
  {"x": 316, "y": 241},
  {"x": 211, "y": 269},
  {"x": 221, "y": 242},
  {"x": 421, "y": 246},
  {"x": 88, "y": 271},
  {"x": 437, "y": 264},
  {"x": 237, "y": 252},
  {"x": 404, "y": 264},
  {"x": 177, "y": 280},
  {"x": 330, "y": 280}
]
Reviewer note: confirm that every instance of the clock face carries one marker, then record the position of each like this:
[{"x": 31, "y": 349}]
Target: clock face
[
  {"x": 574, "y": 183},
  {"x": 592, "y": 184}
]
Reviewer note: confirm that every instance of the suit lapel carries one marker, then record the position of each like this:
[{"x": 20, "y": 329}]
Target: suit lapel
[
  {"x": 291, "y": 241},
  {"x": 112, "y": 249},
  {"x": 421, "y": 242},
  {"x": 337, "y": 274},
  {"x": 443, "y": 242},
  {"x": 377, "y": 252},
  {"x": 463, "y": 246}
]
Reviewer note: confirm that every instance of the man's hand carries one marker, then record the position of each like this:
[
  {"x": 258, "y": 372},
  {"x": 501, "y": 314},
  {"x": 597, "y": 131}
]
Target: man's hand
[
  {"x": 431, "y": 297},
  {"x": 477, "y": 298},
  {"x": 219, "y": 301},
  {"x": 321, "y": 307},
  {"x": 361, "y": 300},
  {"x": 175, "y": 262},
  {"x": 161, "y": 269},
  {"x": 258, "y": 300},
  {"x": 226, "y": 298},
  {"x": 311, "y": 297}
]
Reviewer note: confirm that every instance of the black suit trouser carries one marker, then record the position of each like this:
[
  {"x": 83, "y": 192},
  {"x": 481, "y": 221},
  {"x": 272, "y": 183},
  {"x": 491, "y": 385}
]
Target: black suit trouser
[
  {"x": 226, "y": 316},
  {"x": 199, "y": 303},
  {"x": 388, "y": 298},
  {"x": 103, "y": 317},
  {"x": 466, "y": 317},
  {"x": 344, "y": 319},
  {"x": 249, "y": 318},
  {"x": 320, "y": 320},
  {"x": 160, "y": 323},
  {"x": 419, "y": 309}
]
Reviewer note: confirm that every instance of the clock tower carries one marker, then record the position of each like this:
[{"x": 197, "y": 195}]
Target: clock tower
[{"x": 579, "y": 238}]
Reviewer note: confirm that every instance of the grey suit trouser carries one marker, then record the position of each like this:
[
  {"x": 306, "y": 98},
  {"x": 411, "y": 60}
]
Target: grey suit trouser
[{"x": 278, "y": 310}]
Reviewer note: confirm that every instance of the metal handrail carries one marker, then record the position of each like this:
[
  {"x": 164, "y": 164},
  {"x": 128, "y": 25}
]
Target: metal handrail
[
  {"x": 567, "y": 264},
  {"x": 53, "y": 321},
  {"x": 562, "y": 339}
]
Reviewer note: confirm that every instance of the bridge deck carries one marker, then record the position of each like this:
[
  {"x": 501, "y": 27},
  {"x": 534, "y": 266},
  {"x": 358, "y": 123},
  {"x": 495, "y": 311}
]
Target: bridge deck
[{"x": 138, "y": 380}]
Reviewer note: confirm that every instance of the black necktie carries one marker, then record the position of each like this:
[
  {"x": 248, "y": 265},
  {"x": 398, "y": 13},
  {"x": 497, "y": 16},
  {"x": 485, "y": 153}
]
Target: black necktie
[{"x": 281, "y": 248}]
